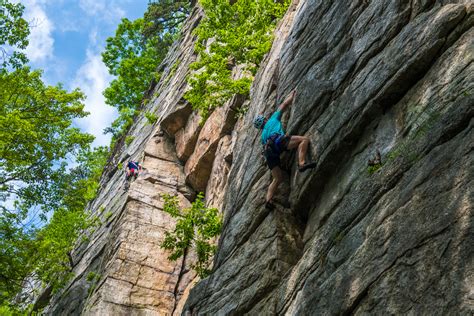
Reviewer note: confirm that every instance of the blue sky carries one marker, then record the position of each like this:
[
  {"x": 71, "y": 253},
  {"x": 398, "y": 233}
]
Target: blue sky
[{"x": 66, "y": 41}]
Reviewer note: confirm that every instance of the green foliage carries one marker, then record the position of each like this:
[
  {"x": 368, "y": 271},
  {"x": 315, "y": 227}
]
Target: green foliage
[
  {"x": 374, "y": 168},
  {"x": 108, "y": 215},
  {"x": 134, "y": 54},
  {"x": 120, "y": 166},
  {"x": 196, "y": 227},
  {"x": 15, "y": 250},
  {"x": 92, "y": 276},
  {"x": 53, "y": 244},
  {"x": 37, "y": 139},
  {"x": 6, "y": 310},
  {"x": 151, "y": 118},
  {"x": 80, "y": 185},
  {"x": 241, "y": 33},
  {"x": 26, "y": 250},
  {"x": 121, "y": 124},
  {"x": 165, "y": 16},
  {"x": 132, "y": 60},
  {"x": 36, "y": 136},
  {"x": 14, "y": 31},
  {"x": 129, "y": 139}
]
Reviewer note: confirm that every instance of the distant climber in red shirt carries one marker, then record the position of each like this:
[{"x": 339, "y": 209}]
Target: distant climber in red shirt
[{"x": 276, "y": 142}]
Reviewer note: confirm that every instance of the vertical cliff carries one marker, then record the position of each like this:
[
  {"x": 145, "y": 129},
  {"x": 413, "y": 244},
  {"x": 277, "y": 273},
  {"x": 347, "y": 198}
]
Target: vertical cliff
[
  {"x": 120, "y": 268},
  {"x": 388, "y": 76}
]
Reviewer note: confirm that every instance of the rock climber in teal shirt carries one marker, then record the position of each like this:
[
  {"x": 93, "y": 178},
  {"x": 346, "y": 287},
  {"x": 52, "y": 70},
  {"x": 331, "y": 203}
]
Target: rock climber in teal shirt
[
  {"x": 272, "y": 126},
  {"x": 275, "y": 142}
]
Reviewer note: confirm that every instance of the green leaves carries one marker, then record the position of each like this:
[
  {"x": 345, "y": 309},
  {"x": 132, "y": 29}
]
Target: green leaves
[
  {"x": 151, "y": 118},
  {"x": 165, "y": 16},
  {"x": 52, "y": 245},
  {"x": 36, "y": 135},
  {"x": 241, "y": 34},
  {"x": 134, "y": 54},
  {"x": 133, "y": 60},
  {"x": 14, "y": 31},
  {"x": 196, "y": 228},
  {"x": 25, "y": 250},
  {"x": 37, "y": 142}
]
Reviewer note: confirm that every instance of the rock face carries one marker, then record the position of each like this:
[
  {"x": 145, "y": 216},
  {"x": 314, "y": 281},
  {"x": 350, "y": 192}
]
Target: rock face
[
  {"x": 394, "y": 77},
  {"x": 121, "y": 269}
]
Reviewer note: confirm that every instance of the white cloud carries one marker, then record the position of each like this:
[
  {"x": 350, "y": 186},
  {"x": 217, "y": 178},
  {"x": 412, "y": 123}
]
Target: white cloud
[
  {"x": 94, "y": 38},
  {"x": 108, "y": 10},
  {"x": 93, "y": 78},
  {"x": 91, "y": 6},
  {"x": 41, "y": 42}
]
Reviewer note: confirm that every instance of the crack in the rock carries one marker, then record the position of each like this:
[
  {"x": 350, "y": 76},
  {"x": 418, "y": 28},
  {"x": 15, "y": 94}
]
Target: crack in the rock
[
  {"x": 180, "y": 275},
  {"x": 359, "y": 298}
]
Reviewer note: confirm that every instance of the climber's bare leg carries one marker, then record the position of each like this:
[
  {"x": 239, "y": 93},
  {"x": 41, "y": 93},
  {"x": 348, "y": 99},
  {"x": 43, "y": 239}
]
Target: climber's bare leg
[{"x": 300, "y": 142}]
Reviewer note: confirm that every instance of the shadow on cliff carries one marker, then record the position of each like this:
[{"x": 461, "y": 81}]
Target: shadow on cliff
[{"x": 420, "y": 239}]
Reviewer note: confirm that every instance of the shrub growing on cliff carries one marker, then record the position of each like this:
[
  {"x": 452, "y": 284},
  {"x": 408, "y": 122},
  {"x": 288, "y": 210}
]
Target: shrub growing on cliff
[
  {"x": 196, "y": 227},
  {"x": 151, "y": 118},
  {"x": 165, "y": 16},
  {"x": 241, "y": 34}
]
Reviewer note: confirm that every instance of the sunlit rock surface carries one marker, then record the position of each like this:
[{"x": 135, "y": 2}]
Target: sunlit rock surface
[{"x": 388, "y": 76}]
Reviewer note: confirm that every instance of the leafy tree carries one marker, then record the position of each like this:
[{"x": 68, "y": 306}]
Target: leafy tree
[
  {"x": 81, "y": 183},
  {"x": 165, "y": 16},
  {"x": 196, "y": 227},
  {"x": 43, "y": 253},
  {"x": 14, "y": 31},
  {"x": 132, "y": 59},
  {"x": 241, "y": 33},
  {"x": 36, "y": 136},
  {"x": 15, "y": 250},
  {"x": 134, "y": 54},
  {"x": 55, "y": 240},
  {"x": 37, "y": 139}
]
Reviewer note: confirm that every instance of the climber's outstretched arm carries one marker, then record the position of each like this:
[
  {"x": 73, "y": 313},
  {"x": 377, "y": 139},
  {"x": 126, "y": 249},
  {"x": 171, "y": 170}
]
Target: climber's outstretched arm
[{"x": 288, "y": 101}]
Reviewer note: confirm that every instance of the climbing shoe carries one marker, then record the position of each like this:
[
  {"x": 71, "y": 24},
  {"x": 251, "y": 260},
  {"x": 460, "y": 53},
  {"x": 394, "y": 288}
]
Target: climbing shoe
[
  {"x": 306, "y": 166},
  {"x": 269, "y": 205}
]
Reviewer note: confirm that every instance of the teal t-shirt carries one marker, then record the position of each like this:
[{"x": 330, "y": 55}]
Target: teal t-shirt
[{"x": 273, "y": 126}]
